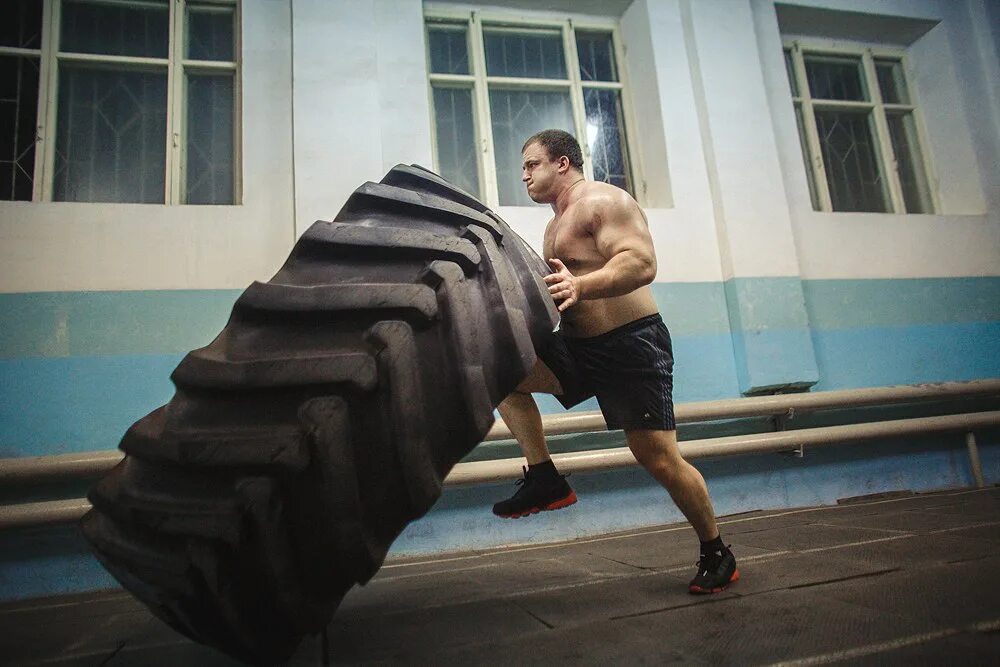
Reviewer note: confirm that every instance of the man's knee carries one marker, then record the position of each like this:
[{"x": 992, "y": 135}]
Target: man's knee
[{"x": 657, "y": 451}]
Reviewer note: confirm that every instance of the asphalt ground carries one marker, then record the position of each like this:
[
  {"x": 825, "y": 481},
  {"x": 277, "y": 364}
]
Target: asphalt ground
[{"x": 905, "y": 580}]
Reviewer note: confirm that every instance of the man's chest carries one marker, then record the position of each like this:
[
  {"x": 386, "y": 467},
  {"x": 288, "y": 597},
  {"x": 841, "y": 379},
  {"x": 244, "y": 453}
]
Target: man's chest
[{"x": 571, "y": 241}]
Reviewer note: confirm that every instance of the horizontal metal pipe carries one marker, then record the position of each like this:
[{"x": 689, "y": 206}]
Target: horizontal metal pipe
[
  {"x": 762, "y": 406},
  {"x": 66, "y": 466},
  {"x": 481, "y": 472},
  {"x": 59, "y": 466},
  {"x": 50, "y": 512}
]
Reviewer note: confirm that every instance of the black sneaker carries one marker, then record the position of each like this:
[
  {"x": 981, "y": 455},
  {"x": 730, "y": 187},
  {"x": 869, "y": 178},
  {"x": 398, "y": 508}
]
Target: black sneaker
[
  {"x": 715, "y": 571},
  {"x": 537, "y": 494}
]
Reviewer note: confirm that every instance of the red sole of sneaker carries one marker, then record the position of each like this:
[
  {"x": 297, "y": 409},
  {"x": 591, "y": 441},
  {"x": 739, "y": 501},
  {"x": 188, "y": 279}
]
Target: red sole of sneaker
[
  {"x": 705, "y": 591},
  {"x": 554, "y": 505}
]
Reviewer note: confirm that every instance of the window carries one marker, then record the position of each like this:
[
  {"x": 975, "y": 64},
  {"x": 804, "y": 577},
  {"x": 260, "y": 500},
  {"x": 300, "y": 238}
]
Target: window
[
  {"x": 120, "y": 101},
  {"x": 494, "y": 83},
  {"x": 857, "y": 123}
]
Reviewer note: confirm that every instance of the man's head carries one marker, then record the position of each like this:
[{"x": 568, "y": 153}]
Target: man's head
[{"x": 552, "y": 160}]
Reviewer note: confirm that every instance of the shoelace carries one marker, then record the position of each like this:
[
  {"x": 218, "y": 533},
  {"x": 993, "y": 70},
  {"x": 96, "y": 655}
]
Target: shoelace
[{"x": 709, "y": 562}]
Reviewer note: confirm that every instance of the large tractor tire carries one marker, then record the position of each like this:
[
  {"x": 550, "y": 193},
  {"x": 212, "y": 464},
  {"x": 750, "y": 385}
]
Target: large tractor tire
[{"x": 323, "y": 418}]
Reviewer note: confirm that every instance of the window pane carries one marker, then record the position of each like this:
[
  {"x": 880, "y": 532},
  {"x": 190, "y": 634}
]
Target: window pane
[
  {"x": 891, "y": 82},
  {"x": 790, "y": 71},
  {"x": 456, "y": 137},
  {"x": 114, "y": 29},
  {"x": 21, "y": 26},
  {"x": 210, "y": 33},
  {"x": 518, "y": 114},
  {"x": 606, "y": 136},
  {"x": 810, "y": 174},
  {"x": 209, "y": 132},
  {"x": 111, "y": 135},
  {"x": 835, "y": 78},
  {"x": 853, "y": 170},
  {"x": 536, "y": 54},
  {"x": 910, "y": 163},
  {"x": 597, "y": 56},
  {"x": 18, "y": 111},
  {"x": 449, "y": 49}
]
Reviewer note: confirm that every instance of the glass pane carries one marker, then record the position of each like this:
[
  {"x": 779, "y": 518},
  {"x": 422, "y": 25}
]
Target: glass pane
[
  {"x": 518, "y": 114},
  {"x": 836, "y": 78},
  {"x": 18, "y": 111},
  {"x": 22, "y": 24},
  {"x": 891, "y": 82},
  {"x": 456, "y": 138},
  {"x": 910, "y": 163},
  {"x": 115, "y": 29},
  {"x": 210, "y": 33},
  {"x": 790, "y": 71},
  {"x": 597, "y": 56},
  {"x": 853, "y": 168},
  {"x": 810, "y": 174},
  {"x": 535, "y": 54},
  {"x": 209, "y": 139},
  {"x": 606, "y": 136},
  {"x": 110, "y": 135},
  {"x": 449, "y": 49}
]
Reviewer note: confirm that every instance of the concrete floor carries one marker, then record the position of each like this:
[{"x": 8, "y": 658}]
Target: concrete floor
[{"x": 906, "y": 580}]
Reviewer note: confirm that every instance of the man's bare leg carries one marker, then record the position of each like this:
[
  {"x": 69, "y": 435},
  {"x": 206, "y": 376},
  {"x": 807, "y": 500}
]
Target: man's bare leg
[
  {"x": 543, "y": 488},
  {"x": 520, "y": 413},
  {"x": 659, "y": 454}
]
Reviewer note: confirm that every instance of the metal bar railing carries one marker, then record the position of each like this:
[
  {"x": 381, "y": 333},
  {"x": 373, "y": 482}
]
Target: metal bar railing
[
  {"x": 36, "y": 469},
  {"x": 763, "y": 406},
  {"x": 480, "y": 472},
  {"x": 30, "y": 470}
]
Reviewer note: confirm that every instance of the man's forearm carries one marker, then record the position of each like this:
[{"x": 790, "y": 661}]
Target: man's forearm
[{"x": 624, "y": 273}]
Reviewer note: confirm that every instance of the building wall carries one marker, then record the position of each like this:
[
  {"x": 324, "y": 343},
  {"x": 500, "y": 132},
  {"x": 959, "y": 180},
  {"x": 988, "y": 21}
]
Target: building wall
[{"x": 99, "y": 302}]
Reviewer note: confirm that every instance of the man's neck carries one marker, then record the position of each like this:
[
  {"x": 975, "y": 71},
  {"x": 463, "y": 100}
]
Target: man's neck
[{"x": 566, "y": 196}]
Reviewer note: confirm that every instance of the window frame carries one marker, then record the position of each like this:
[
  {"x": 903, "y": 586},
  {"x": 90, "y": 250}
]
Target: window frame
[
  {"x": 819, "y": 185},
  {"x": 475, "y": 22},
  {"x": 176, "y": 65}
]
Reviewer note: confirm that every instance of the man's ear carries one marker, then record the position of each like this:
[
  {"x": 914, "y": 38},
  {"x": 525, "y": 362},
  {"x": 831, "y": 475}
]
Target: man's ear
[{"x": 563, "y": 164}]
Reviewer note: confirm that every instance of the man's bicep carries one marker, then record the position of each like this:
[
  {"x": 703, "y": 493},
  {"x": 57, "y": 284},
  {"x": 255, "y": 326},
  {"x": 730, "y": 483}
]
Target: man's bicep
[{"x": 620, "y": 227}]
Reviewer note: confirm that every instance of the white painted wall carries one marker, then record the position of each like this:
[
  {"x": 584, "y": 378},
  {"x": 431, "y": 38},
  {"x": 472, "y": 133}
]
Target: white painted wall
[
  {"x": 361, "y": 100},
  {"x": 58, "y": 246},
  {"x": 713, "y": 113},
  {"x": 949, "y": 78}
]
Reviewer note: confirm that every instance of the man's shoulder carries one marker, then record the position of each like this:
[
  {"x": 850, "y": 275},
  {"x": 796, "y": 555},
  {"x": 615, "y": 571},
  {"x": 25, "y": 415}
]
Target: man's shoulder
[{"x": 600, "y": 197}]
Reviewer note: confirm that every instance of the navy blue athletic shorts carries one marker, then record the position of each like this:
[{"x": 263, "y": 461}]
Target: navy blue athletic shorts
[{"x": 629, "y": 369}]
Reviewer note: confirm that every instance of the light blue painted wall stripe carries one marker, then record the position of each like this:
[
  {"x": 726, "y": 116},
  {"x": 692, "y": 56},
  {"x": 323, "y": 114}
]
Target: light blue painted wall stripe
[
  {"x": 878, "y": 356},
  {"x": 852, "y": 304},
  {"x": 86, "y": 324},
  {"x": 56, "y": 406},
  {"x": 770, "y": 332}
]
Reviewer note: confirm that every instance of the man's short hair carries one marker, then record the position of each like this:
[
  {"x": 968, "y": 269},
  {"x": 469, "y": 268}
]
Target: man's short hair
[{"x": 558, "y": 143}]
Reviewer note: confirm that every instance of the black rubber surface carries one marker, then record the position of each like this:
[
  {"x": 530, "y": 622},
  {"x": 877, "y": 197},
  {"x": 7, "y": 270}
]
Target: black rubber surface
[
  {"x": 323, "y": 418},
  {"x": 920, "y": 590}
]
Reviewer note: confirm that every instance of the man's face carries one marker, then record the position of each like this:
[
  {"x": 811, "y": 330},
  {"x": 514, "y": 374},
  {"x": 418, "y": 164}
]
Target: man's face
[{"x": 539, "y": 173}]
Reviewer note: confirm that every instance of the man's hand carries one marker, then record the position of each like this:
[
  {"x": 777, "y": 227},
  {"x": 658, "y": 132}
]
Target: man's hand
[{"x": 563, "y": 285}]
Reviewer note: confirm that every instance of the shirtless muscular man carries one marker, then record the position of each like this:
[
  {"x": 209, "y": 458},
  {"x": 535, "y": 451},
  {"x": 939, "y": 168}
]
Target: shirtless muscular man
[{"x": 611, "y": 343}]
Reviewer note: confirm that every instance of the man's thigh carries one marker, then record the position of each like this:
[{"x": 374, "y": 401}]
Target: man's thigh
[{"x": 541, "y": 380}]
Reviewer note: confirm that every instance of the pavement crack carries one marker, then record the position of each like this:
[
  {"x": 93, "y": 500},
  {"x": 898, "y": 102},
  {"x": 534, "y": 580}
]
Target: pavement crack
[
  {"x": 648, "y": 612},
  {"x": 865, "y": 575},
  {"x": 621, "y": 562},
  {"x": 535, "y": 616},
  {"x": 112, "y": 655}
]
